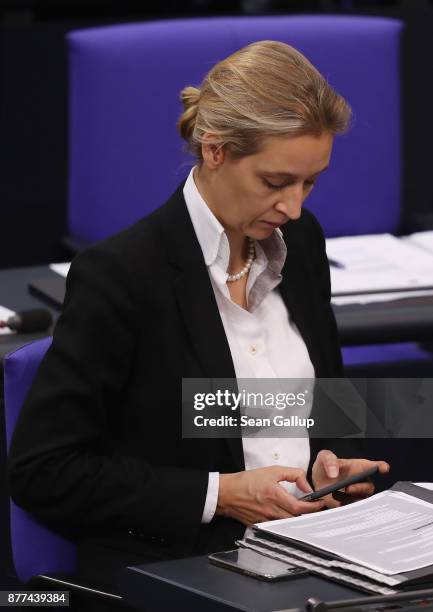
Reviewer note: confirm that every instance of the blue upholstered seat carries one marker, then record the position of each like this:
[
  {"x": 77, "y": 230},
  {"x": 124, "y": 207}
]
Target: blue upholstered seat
[{"x": 48, "y": 552}]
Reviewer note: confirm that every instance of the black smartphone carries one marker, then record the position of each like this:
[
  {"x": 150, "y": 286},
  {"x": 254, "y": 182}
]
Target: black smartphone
[
  {"x": 340, "y": 484},
  {"x": 252, "y": 563}
]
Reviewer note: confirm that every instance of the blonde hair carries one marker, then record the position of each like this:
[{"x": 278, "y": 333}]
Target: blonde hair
[{"x": 265, "y": 89}]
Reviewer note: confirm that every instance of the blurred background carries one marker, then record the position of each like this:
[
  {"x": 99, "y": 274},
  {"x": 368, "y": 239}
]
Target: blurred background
[{"x": 34, "y": 104}]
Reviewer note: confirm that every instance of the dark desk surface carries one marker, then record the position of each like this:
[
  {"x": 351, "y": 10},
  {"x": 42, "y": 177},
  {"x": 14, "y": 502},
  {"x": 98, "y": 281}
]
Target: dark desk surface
[
  {"x": 195, "y": 585},
  {"x": 409, "y": 320}
]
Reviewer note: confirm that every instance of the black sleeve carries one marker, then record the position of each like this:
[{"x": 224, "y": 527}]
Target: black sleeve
[
  {"x": 344, "y": 448},
  {"x": 323, "y": 274},
  {"x": 65, "y": 464}
]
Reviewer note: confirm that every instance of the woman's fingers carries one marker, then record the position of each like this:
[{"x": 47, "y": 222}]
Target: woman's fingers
[
  {"x": 303, "y": 484},
  {"x": 291, "y": 504},
  {"x": 293, "y": 475},
  {"x": 360, "y": 489},
  {"x": 330, "y": 462},
  {"x": 383, "y": 466},
  {"x": 256, "y": 495},
  {"x": 359, "y": 465}
]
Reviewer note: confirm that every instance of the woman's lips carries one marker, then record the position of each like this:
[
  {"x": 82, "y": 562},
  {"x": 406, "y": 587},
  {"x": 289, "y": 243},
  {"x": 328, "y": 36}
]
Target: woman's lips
[{"x": 273, "y": 225}]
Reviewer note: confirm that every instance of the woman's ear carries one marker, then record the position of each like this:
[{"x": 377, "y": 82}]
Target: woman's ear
[{"x": 213, "y": 154}]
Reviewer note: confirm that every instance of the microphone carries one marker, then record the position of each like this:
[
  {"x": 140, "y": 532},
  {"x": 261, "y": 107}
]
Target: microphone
[{"x": 29, "y": 321}]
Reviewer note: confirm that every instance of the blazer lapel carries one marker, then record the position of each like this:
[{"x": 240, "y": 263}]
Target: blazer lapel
[
  {"x": 298, "y": 301},
  {"x": 194, "y": 291},
  {"x": 196, "y": 299}
]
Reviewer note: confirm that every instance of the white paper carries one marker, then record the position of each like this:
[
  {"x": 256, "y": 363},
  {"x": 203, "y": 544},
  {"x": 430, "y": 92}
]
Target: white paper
[
  {"x": 390, "y": 532},
  {"x": 329, "y": 563},
  {"x": 324, "y": 571},
  {"x": 378, "y": 262},
  {"x": 421, "y": 239},
  {"x": 368, "y": 298},
  {"x": 301, "y": 555},
  {"x": 61, "y": 268},
  {"x": 5, "y": 313},
  {"x": 425, "y": 485}
]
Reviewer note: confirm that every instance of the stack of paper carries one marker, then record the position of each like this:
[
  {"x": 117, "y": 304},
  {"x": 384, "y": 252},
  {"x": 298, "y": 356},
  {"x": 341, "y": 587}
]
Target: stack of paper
[
  {"x": 380, "y": 544},
  {"x": 421, "y": 239},
  {"x": 378, "y": 267}
]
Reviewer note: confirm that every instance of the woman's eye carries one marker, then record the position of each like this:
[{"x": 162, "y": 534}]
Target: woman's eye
[
  {"x": 269, "y": 185},
  {"x": 272, "y": 185}
]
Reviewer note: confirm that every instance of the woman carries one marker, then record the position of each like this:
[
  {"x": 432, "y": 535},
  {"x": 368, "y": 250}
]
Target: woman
[{"x": 228, "y": 279}]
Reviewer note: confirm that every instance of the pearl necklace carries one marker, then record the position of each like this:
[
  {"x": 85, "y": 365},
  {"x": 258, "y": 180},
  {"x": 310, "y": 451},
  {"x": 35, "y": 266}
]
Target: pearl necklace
[{"x": 251, "y": 256}]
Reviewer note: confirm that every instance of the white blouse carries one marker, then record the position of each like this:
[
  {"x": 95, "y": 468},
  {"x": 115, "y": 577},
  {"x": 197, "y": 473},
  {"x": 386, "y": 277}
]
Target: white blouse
[{"x": 263, "y": 341}]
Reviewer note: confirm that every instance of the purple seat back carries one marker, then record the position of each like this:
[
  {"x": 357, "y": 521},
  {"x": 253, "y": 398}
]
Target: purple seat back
[
  {"x": 126, "y": 157},
  {"x": 380, "y": 354},
  {"x": 35, "y": 549}
]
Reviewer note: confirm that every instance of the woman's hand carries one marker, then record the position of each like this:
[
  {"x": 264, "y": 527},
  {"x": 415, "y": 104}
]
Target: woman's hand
[
  {"x": 328, "y": 469},
  {"x": 254, "y": 496}
]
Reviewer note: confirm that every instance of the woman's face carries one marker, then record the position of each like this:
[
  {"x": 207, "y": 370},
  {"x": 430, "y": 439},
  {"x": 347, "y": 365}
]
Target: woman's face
[{"x": 258, "y": 193}]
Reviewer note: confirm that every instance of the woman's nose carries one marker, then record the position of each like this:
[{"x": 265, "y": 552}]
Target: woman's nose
[{"x": 290, "y": 203}]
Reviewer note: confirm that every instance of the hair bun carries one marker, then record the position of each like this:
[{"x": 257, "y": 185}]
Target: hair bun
[
  {"x": 189, "y": 97},
  {"x": 265, "y": 89}
]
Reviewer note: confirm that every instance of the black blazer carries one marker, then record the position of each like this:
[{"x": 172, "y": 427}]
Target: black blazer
[{"x": 98, "y": 447}]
